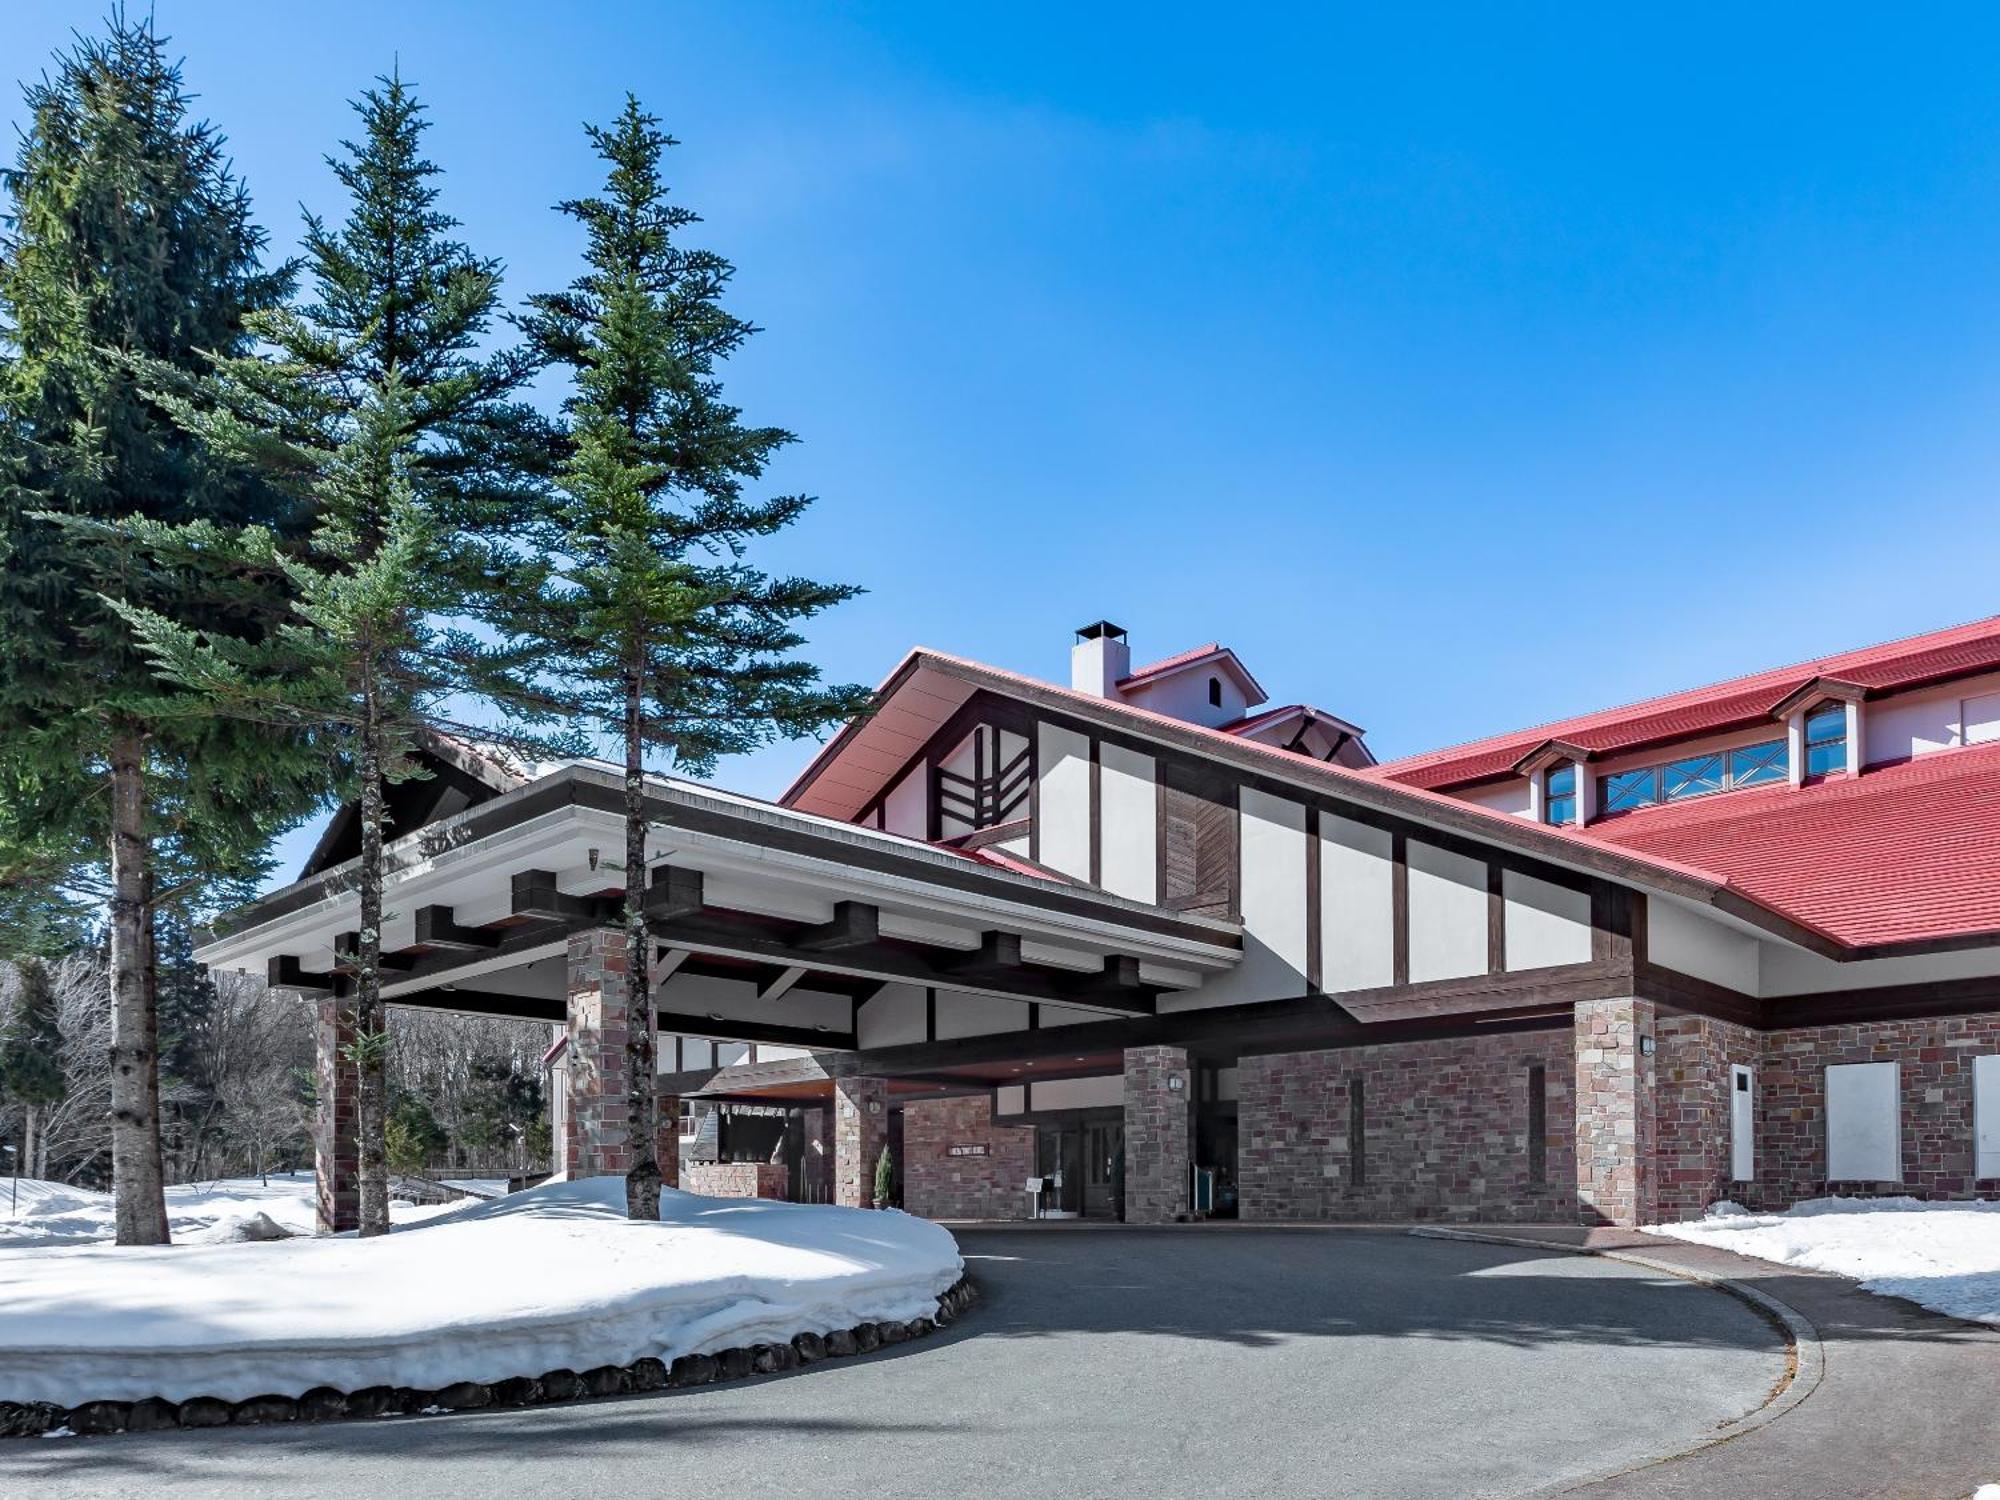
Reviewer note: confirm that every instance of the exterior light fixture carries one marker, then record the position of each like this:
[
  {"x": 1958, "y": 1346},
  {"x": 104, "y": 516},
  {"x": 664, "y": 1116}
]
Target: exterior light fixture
[
  {"x": 1645, "y": 1046},
  {"x": 593, "y": 859},
  {"x": 1176, "y": 1083}
]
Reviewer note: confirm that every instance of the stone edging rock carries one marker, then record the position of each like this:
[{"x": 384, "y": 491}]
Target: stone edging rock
[{"x": 324, "y": 1404}]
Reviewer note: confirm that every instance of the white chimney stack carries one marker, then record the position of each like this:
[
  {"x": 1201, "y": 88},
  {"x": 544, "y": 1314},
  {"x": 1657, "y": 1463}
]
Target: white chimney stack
[{"x": 1099, "y": 658}]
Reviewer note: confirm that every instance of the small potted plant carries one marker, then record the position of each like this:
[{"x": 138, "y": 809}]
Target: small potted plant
[{"x": 885, "y": 1179}]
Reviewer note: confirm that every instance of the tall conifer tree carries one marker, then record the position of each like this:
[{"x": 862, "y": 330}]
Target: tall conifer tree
[
  {"x": 649, "y": 621},
  {"x": 374, "y": 406},
  {"x": 129, "y": 244}
]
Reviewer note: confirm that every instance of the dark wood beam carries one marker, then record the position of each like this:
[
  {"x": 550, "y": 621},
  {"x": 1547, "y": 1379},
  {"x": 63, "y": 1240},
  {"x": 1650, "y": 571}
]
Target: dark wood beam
[
  {"x": 347, "y": 957},
  {"x": 855, "y": 924},
  {"x": 535, "y": 895},
  {"x": 492, "y": 1003},
  {"x": 437, "y": 927},
  {"x": 283, "y": 972},
  {"x": 743, "y": 937},
  {"x": 673, "y": 892},
  {"x": 997, "y": 953},
  {"x": 755, "y": 1031}
]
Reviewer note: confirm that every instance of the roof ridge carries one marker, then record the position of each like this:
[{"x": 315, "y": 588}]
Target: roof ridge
[{"x": 1745, "y": 681}]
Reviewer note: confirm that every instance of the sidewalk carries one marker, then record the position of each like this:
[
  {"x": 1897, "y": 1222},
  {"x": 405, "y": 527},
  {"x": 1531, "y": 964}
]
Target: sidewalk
[{"x": 1908, "y": 1404}]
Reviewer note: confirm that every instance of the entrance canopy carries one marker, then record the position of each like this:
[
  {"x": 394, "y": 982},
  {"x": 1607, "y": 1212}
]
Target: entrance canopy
[{"x": 770, "y": 924}]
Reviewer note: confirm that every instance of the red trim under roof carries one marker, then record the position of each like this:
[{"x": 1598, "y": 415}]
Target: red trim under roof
[{"x": 1894, "y": 666}]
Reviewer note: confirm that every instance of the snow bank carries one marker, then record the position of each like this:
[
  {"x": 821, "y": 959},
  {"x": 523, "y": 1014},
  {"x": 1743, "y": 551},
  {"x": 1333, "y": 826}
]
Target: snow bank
[
  {"x": 1944, "y": 1256},
  {"x": 197, "y": 1213},
  {"x": 552, "y": 1278}
]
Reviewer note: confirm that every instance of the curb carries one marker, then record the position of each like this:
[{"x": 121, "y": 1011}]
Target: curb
[
  {"x": 1805, "y": 1367},
  {"x": 554, "y": 1387}
]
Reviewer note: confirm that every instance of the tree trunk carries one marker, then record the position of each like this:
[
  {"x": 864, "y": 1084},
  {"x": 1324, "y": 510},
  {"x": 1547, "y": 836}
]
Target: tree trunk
[
  {"x": 642, "y": 1178},
  {"x": 370, "y": 1038},
  {"x": 139, "y": 1205},
  {"x": 24, "y": 1164}
]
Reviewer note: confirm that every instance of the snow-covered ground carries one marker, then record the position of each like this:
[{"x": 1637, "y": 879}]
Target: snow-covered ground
[
  {"x": 555, "y": 1277},
  {"x": 1944, "y": 1256},
  {"x": 197, "y": 1213}
]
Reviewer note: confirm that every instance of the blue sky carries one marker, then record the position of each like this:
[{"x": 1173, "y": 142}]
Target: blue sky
[{"x": 1462, "y": 368}]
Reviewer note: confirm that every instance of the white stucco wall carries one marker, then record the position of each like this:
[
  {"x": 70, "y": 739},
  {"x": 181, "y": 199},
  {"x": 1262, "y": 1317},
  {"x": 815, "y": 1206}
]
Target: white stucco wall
[
  {"x": 1106, "y": 1091},
  {"x": 1690, "y": 943},
  {"x": 891, "y": 1016},
  {"x": 977, "y": 1015},
  {"x": 1545, "y": 924},
  {"x": 1185, "y": 696},
  {"x": 1130, "y": 818},
  {"x": 1357, "y": 906},
  {"x": 1447, "y": 913},
  {"x": 906, "y": 810},
  {"x": 1509, "y": 796},
  {"x": 1062, "y": 813},
  {"x": 1272, "y": 849}
]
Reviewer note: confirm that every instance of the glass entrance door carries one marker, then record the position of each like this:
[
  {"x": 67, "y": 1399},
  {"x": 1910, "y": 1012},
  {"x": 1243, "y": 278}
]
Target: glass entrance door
[{"x": 1103, "y": 1150}]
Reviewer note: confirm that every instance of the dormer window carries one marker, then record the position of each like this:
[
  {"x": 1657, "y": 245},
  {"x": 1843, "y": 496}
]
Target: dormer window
[
  {"x": 1215, "y": 692},
  {"x": 1559, "y": 793},
  {"x": 1826, "y": 739}
]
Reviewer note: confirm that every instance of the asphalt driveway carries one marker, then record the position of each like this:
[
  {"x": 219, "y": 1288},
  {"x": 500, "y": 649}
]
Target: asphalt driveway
[{"x": 1171, "y": 1363}]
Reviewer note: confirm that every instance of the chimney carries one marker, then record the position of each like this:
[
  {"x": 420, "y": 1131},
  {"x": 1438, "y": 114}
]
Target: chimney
[{"x": 1098, "y": 659}]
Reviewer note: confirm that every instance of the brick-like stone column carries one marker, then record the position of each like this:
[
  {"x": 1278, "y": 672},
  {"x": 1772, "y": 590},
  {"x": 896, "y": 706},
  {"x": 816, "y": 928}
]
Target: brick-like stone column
[
  {"x": 860, "y": 1129},
  {"x": 1616, "y": 1166},
  {"x": 336, "y": 1138},
  {"x": 599, "y": 1021},
  {"x": 1159, "y": 1140},
  {"x": 667, "y": 1139}
]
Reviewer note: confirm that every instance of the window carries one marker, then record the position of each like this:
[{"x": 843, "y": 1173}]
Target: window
[
  {"x": 1215, "y": 692},
  {"x": 1627, "y": 790},
  {"x": 1754, "y": 765},
  {"x": 1697, "y": 776},
  {"x": 1559, "y": 793},
  {"x": 1826, "y": 739}
]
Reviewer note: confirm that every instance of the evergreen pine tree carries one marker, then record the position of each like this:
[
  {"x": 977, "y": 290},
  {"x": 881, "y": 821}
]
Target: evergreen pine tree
[
  {"x": 650, "y": 622},
  {"x": 885, "y": 1178},
  {"x": 375, "y": 409},
  {"x": 130, "y": 244},
  {"x": 31, "y": 1070}
]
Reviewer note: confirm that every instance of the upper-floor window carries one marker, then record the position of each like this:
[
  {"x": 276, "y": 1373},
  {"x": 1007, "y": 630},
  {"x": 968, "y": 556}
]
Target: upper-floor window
[
  {"x": 1215, "y": 692},
  {"x": 1694, "y": 776},
  {"x": 1826, "y": 739},
  {"x": 1559, "y": 793}
]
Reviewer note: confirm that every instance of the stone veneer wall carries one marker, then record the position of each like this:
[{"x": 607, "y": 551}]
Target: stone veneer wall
[
  {"x": 598, "y": 1109},
  {"x": 938, "y": 1185},
  {"x": 1445, "y": 1131},
  {"x": 860, "y": 1130},
  {"x": 336, "y": 1138},
  {"x": 1936, "y": 1083},
  {"x": 1158, "y": 1131},
  {"x": 1616, "y": 1156},
  {"x": 1692, "y": 1112},
  {"x": 735, "y": 1179}
]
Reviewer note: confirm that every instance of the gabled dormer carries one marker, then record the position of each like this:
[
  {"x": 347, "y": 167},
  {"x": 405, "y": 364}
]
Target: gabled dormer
[
  {"x": 1560, "y": 789},
  {"x": 1824, "y": 733}
]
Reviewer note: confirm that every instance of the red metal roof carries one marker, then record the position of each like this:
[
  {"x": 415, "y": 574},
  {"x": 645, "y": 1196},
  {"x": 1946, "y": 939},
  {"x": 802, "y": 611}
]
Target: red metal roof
[
  {"x": 1890, "y": 667},
  {"x": 1899, "y": 854},
  {"x": 1170, "y": 663}
]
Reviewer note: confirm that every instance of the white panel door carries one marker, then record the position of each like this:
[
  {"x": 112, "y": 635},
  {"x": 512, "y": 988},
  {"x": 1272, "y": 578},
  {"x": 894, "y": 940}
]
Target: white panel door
[
  {"x": 1863, "y": 1127},
  {"x": 1742, "y": 1123},
  {"x": 1986, "y": 1116}
]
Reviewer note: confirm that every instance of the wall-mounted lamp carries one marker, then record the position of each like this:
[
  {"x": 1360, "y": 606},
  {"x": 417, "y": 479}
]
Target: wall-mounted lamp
[
  {"x": 593, "y": 859},
  {"x": 1645, "y": 1046},
  {"x": 1176, "y": 1083}
]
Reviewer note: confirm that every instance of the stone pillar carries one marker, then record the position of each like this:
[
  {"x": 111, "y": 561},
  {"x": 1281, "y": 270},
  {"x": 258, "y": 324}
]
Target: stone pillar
[
  {"x": 1616, "y": 1170},
  {"x": 336, "y": 1138},
  {"x": 1159, "y": 1135},
  {"x": 860, "y": 1130},
  {"x": 599, "y": 1021},
  {"x": 667, "y": 1140}
]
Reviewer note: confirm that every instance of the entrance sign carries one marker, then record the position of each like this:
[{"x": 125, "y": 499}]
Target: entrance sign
[{"x": 979, "y": 1149}]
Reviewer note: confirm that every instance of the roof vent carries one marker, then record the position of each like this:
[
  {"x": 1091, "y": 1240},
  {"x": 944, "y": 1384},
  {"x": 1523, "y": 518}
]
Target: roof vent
[{"x": 1099, "y": 658}]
